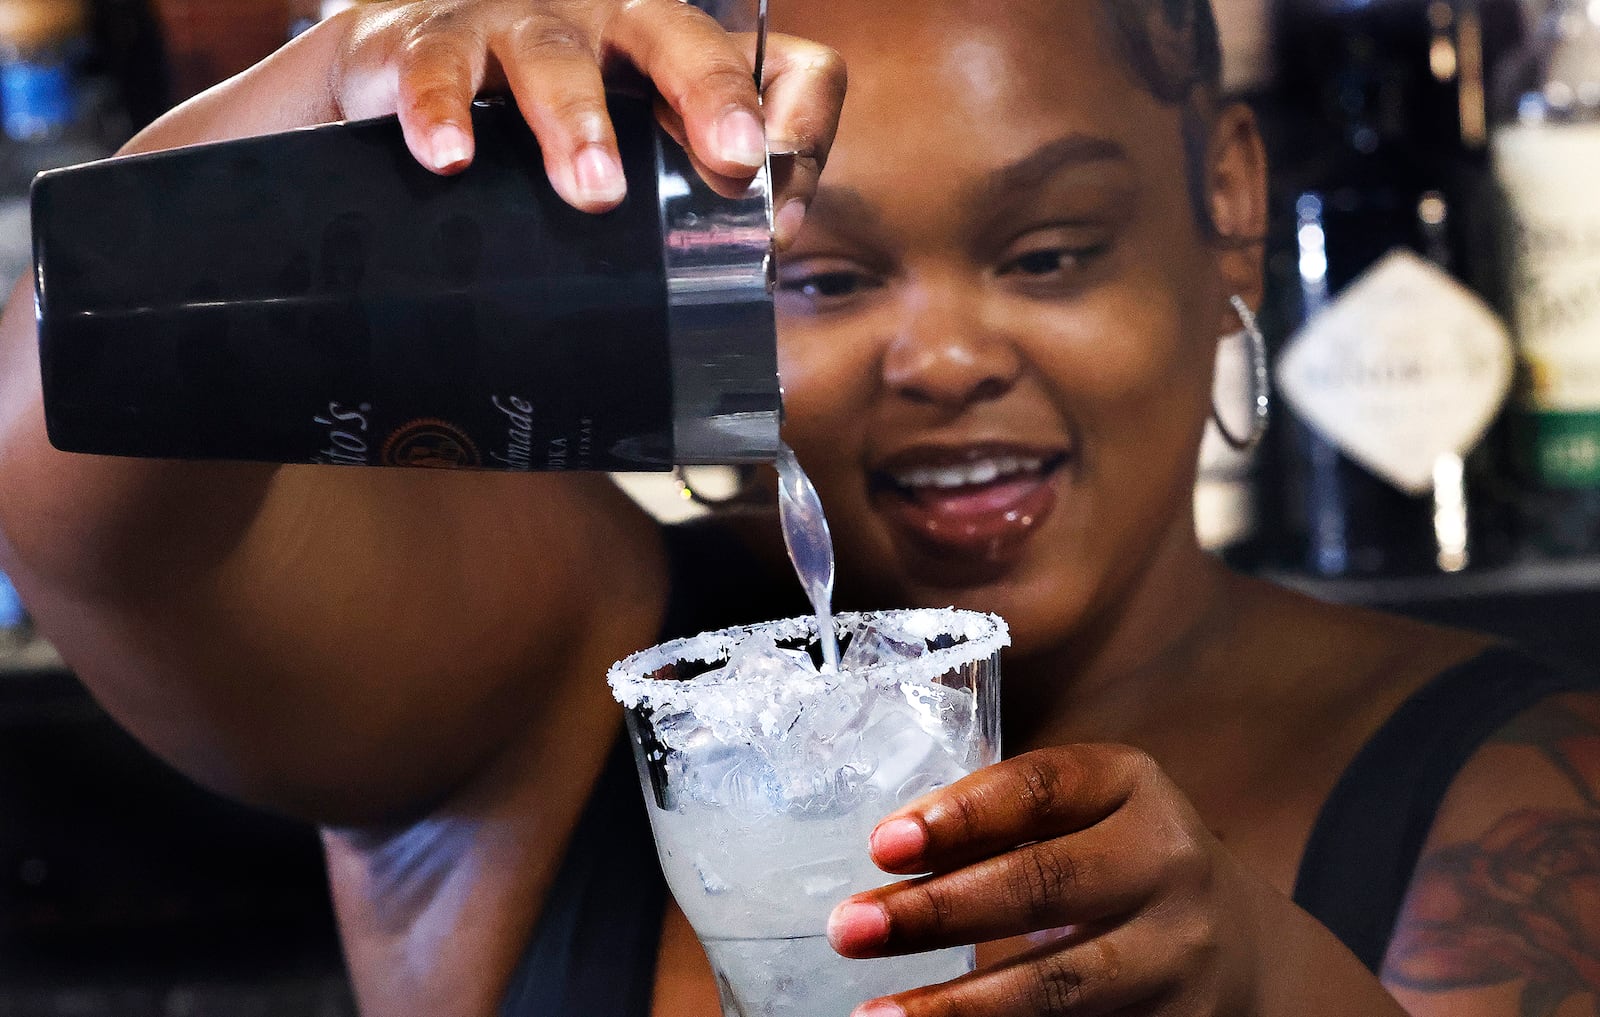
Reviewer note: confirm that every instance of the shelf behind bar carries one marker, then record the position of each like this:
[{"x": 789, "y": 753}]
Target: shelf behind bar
[
  {"x": 1530, "y": 578},
  {"x": 1536, "y": 577}
]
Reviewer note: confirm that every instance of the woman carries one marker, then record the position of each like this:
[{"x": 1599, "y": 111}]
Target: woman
[{"x": 998, "y": 321}]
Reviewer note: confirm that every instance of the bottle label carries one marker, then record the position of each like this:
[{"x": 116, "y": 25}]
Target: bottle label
[
  {"x": 1548, "y": 176},
  {"x": 517, "y": 437},
  {"x": 1406, "y": 366}
]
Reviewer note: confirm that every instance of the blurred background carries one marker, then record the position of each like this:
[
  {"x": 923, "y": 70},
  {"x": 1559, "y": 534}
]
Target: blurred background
[{"x": 1433, "y": 336}]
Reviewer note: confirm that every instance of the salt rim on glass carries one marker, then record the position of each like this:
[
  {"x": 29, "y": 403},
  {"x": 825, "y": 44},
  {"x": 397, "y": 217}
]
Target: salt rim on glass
[{"x": 981, "y": 635}]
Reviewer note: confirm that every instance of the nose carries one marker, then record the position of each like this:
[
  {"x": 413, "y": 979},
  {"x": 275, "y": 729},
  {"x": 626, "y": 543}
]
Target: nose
[{"x": 945, "y": 354}]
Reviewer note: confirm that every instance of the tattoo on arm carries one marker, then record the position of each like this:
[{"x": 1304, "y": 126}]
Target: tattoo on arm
[
  {"x": 1567, "y": 731},
  {"x": 1522, "y": 903}
]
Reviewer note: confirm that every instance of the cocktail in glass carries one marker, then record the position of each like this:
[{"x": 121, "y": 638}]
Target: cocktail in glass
[{"x": 764, "y": 779}]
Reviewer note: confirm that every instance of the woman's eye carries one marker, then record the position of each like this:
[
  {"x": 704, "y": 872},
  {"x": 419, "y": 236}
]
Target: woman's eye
[
  {"x": 828, "y": 285},
  {"x": 1042, "y": 262},
  {"x": 820, "y": 290},
  {"x": 1052, "y": 261}
]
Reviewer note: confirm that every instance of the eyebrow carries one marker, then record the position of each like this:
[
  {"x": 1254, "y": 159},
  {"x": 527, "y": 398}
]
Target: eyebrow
[
  {"x": 848, "y": 210},
  {"x": 843, "y": 209},
  {"x": 1037, "y": 167}
]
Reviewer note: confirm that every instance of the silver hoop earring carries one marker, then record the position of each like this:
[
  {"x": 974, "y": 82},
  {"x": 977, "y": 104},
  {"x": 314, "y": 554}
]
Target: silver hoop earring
[
  {"x": 1260, "y": 384},
  {"x": 746, "y": 493}
]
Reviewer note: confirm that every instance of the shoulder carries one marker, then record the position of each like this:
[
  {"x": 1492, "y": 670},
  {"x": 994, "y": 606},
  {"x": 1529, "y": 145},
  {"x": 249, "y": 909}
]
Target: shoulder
[
  {"x": 1345, "y": 669},
  {"x": 1344, "y": 638},
  {"x": 1503, "y": 913}
]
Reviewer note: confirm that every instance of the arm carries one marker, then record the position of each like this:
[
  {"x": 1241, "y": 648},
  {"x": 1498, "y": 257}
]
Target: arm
[
  {"x": 353, "y": 645},
  {"x": 1503, "y": 917}
]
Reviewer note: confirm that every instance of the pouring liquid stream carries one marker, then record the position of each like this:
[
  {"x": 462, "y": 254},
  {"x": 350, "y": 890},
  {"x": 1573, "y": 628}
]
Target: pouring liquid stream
[
  {"x": 805, "y": 528},
  {"x": 810, "y": 544}
]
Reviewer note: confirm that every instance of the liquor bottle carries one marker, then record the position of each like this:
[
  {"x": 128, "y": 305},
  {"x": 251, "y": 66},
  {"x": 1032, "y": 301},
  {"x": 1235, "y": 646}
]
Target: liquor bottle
[
  {"x": 1547, "y": 163},
  {"x": 319, "y": 297},
  {"x": 1395, "y": 368}
]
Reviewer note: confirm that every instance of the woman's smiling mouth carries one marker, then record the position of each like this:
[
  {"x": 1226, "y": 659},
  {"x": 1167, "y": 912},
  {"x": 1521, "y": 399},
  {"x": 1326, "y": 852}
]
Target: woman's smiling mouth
[{"x": 978, "y": 502}]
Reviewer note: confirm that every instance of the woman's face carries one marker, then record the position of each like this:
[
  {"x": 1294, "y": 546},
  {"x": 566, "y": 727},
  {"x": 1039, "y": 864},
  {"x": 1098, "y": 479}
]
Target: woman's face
[{"x": 998, "y": 324}]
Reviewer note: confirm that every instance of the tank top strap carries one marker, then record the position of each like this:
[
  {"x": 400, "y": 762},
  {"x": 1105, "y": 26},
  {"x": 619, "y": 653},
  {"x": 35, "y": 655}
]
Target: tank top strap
[
  {"x": 594, "y": 950},
  {"x": 1369, "y": 835}
]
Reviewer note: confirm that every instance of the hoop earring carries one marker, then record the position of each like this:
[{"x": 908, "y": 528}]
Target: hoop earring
[
  {"x": 1260, "y": 384},
  {"x": 746, "y": 493}
]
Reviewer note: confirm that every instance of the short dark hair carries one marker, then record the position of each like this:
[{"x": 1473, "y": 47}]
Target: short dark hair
[
  {"x": 1172, "y": 46},
  {"x": 1175, "y": 51}
]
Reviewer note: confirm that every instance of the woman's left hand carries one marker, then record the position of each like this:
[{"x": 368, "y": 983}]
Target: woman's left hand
[{"x": 1159, "y": 918}]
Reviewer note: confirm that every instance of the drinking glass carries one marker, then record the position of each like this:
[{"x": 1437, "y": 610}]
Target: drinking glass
[{"x": 765, "y": 778}]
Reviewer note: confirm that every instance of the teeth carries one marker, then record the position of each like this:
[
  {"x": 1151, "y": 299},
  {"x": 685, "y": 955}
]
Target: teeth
[{"x": 981, "y": 471}]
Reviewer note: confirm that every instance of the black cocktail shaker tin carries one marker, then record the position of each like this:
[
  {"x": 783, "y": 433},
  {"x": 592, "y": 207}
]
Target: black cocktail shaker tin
[{"x": 319, "y": 297}]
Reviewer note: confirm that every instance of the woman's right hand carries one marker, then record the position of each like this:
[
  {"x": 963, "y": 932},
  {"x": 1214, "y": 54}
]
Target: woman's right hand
[{"x": 427, "y": 59}]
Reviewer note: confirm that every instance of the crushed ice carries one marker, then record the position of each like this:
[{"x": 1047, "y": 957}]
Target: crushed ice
[{"x": 767, "y": 731}]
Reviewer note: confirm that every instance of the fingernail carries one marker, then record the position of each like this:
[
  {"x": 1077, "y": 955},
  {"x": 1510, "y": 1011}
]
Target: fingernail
[
  {"x": 786, "y": 224},
  {"x": 857, "y": 924},
  {"x": 599, "y": 175},
  {"x": 785, "y": 147},
  {"x": 899, "y": 842},
  {"x": 741, "y": 140},
  {"x": 878, "y": 1008},
  {"x": 450, "y": 146}
]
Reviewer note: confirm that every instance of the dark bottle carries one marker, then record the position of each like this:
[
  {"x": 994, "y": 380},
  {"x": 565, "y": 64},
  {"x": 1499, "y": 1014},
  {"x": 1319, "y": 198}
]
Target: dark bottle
[
  {"x": 319, "y": 297},
  {"x": 1547, "y": 162},
  {"x": 1397, "y": 367}
]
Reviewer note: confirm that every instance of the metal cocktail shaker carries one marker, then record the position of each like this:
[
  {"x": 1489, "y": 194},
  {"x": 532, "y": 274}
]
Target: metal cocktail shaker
[{"x": 319, "y": 297}]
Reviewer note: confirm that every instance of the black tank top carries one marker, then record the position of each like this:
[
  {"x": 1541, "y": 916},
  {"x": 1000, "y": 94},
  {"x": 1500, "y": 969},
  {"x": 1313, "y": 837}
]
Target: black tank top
[
  {"x": 1369, "y": 835},
  {"x": 593, "y": 953}
]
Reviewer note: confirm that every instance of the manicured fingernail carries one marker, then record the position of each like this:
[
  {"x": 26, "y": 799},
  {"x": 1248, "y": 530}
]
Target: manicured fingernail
[
  {"x": 450, "y": 146},
  {"x": 741, "y": 140},
  {"x": 857, "y": 924},
  {"x": 786, "y": 224},
  {"x": 899, "y": 842},
  {"x": 878, "y": 1008},
  {"x": 599, "y": 175}
]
